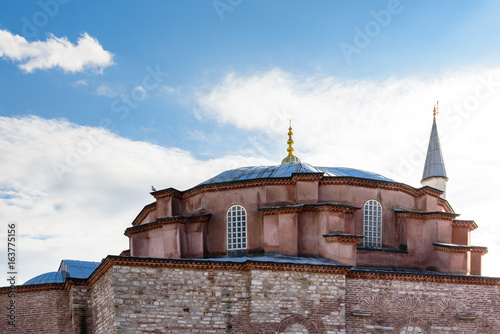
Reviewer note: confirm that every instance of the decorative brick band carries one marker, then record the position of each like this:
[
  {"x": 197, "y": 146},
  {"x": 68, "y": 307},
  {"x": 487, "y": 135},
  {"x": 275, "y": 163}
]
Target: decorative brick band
[
  {"x": 341, "y": 237},
  {"x": 237, "y": 185},
  {"x": 452, "y": 249},
  {"x": 386, "y": 185},
  {"x": 425, "y": 215},
  {"x": 323, "y": 180},
  {"x": 144, "y": 213},
  {"x": 314, "y": 207},
  {"x": 169, "y": 192},
  {"x": 444, "y": 204},
  {"x": 126, "y": 252},
  {"x": 111, "y": 261},
  {"x": 479, "y": 249},
  {"x": 453, "y": 279},
  {"x": 470, "y": 224},
  {"x": 307, "y": 176},
  {"x": 166, "y": 221},
  {"x": 32, "y": 288}
]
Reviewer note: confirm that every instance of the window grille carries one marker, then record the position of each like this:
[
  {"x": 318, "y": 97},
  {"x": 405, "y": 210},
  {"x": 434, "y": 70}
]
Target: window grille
[
  {"x": 236, "y": 228},
  {"x": 373, "y": 224}
]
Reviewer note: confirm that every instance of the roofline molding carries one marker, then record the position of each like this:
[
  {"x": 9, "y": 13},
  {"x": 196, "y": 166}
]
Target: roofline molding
[
  {"x": 323, "y": 180},
  {"x": 160, "y": 222}
]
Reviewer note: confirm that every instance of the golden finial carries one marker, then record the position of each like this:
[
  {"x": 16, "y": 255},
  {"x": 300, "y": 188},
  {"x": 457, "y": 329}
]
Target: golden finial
[
  {"x": 290, "y": 157},
  {"x": 436, "y": 109}
]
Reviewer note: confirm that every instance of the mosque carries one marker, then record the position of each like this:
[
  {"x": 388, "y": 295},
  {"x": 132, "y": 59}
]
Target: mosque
[{"x": 291, "y": 248}]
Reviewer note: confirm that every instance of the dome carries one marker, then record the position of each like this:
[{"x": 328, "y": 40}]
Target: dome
[
  {"x": 47, "y": 278},
  {"x": 67, "y": 268},
  {"x": 286, "y": 170}
]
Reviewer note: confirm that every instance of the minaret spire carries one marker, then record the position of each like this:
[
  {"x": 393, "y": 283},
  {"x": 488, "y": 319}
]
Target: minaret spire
[
  {"x": 434, "y": 171},
  {"x": 290, "y": 157}
]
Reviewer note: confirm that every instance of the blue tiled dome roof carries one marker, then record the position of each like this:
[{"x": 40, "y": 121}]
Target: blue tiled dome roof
[
  {"x": 286, "y": 170},
  {"x": 68, "y": 268},
  {"x": 51, "y": 277}
]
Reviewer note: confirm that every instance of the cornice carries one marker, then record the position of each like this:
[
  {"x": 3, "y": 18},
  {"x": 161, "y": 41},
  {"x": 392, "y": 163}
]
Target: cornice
[
  {"x": 312, "y": 207},
  {"x": 469, "y": 224},
  {"x": 342, "y": 237},
  {"x": 451, "y": 248},
  {"x": 144, "y": 213},
  {"x": 203, "y": 218},
  {"x": 445, "y": 205},
  {"x": 125, "y": 252},
  {"x": 367, "y": 183},
  {"x": 169, "y": 192},
  {"x": 323, "y": 180},
  {"x": 425, "y": 215},
  {"x": 32, "y": 288},
  {"x": 70, "y": 282},
  {"x": 311, "y": 177},
  {"x": 236, "y": 185},
  {"x": 431, "y": 278},
  {"x": 479, "y": 249},
  {"x": 111, "y": 261}
]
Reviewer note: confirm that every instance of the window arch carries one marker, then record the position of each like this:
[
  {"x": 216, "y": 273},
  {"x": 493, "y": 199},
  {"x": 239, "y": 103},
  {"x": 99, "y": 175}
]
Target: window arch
[
  {"x": 372, "y": 224},
  {"x": 236, "y": 219}
]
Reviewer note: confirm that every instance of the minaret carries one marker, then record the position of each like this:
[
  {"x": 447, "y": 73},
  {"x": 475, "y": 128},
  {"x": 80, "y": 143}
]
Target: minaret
[
  {"x": 434, "y": 172},
  {"x": 290, "y": 157}
]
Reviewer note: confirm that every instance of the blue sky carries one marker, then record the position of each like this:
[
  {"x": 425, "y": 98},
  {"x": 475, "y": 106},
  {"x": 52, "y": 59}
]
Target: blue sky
[{"x": 211, "y": 85}]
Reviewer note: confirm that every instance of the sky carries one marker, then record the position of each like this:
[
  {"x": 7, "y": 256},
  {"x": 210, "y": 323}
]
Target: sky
[{"x": 99, "y": 101}]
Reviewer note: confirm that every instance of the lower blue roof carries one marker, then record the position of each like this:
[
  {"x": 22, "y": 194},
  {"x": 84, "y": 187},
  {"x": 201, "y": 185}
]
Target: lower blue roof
[
  {"x": 286, "y": 170},
  {"x": 67, "y": 269}
]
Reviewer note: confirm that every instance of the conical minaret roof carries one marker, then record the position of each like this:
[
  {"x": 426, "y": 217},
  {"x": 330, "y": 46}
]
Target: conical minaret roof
[{"x": 434, "y": 163}]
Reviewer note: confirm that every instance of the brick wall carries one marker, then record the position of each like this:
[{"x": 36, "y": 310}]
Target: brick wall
[
  {"x": 313, "y": 300},
  {"x": 405, "y": 306},
  {"x": 38, "y": 312},
  {"x": 174, "y": 300}
]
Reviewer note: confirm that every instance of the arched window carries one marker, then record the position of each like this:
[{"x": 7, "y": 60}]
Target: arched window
[
  {"x": 236, "y": 228},
  {"x": 373, "y": 224}
]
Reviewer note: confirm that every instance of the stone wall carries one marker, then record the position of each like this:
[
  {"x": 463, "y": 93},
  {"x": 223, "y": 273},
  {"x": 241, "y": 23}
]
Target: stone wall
[
  {"x": 175, "y": 300},
  {"x": 81, "y": 309},
  {"x": 40, "y": 312},
  {"x": 103, "y": 304},
  {"x": 284, "y": 300},
  {"x": 404, "y": 306}
]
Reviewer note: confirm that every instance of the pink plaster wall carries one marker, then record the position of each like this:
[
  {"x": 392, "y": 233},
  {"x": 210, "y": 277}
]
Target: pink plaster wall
[
  {"x": 301, "y": 233},
  {"x": 270, "y": 235},
  {"x": 460, "y": 236},
  {"x": 288, "y": 234},
  {"x": 307, "y": 192},
  {"x": 308, "y": 233}
]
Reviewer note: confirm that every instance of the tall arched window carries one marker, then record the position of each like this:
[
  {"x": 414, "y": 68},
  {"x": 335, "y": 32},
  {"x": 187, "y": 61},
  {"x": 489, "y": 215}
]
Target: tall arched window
[
  {"x": 236, "y": 228},
  {"x": 373, "y": 224}
]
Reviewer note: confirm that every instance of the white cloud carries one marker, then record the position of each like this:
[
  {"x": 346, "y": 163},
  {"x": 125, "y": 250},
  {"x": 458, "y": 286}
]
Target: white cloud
[
  {"x": 380, "y": 126},
  {"x": 140, "y": 93},
  {"x": 74, "y": 189},
  {"x": 81, "y": 83},
  {"x": 55, "y": 52},
  {"x": 105, "y": 90},
  {"x": 168, "y": 90},
  {"x": 104, "y": 180}
]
